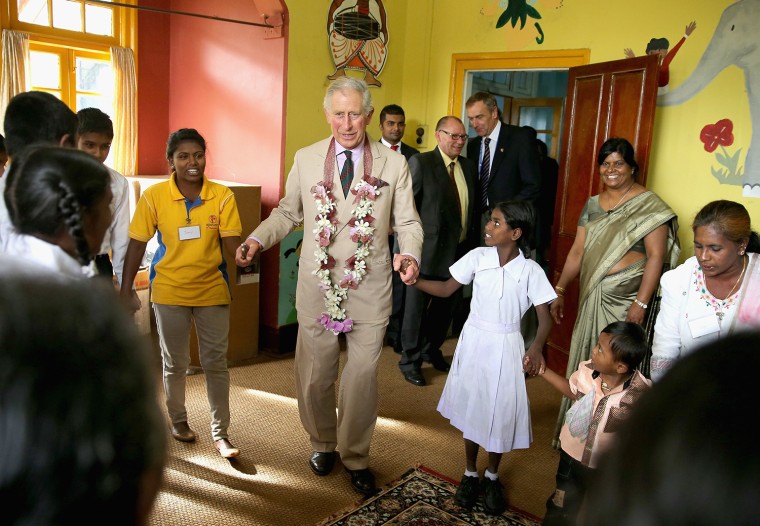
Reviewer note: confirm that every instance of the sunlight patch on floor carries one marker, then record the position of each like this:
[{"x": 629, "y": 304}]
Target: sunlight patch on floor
[{"x": 271, "y": 396}]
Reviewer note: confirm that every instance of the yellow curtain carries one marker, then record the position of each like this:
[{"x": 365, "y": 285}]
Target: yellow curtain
[
  {"x": 124, "y": 144},
  {"x": 15, "y": 68}
]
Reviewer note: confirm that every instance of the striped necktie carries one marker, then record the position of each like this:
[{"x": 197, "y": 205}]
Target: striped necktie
[
  {"x": 485, "y": 173},
  {"x": 347, "y": 174}
]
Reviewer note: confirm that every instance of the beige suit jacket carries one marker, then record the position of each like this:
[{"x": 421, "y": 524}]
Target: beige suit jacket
[{"x": 393, "y": 208}]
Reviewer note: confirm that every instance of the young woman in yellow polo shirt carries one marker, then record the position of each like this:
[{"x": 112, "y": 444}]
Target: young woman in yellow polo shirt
[{"x": 194, "y": 219}]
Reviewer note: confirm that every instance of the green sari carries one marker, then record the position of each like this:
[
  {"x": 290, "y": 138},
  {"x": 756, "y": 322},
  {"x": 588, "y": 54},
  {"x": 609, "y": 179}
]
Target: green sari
[{"x": 604, "y": 299}]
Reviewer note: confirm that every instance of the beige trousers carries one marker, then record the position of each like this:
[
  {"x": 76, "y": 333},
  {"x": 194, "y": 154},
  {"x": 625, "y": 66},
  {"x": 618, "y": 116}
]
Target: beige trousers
[{"x": 316, "y": 371}]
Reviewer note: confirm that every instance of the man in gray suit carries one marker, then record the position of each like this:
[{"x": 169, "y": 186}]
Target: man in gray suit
[
  {"x": 392, "y": 127},
  {"x": 444, "y": 193},
  {"x": 344, "y": 273}
]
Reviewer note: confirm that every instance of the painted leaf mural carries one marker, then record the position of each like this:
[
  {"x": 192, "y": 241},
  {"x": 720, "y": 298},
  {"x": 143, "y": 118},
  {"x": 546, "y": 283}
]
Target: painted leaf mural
[{"x": 520, "y": 10}]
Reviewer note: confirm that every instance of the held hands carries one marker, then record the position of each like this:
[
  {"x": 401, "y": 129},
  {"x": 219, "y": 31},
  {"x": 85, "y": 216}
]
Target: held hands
[
  {"x": 407, "y": 267},
  {"x": 245, "y": 252},
  {"x": 533, "y": 363}
]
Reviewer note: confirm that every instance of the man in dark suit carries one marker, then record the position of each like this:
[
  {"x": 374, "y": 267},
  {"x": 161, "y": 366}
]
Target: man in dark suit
[
  {"x": 511, "y": 171},
  {"x": 508, "y": 169},
  {"x": 392, "y": 127},
  {"x": 545, "y": 203},
  {"x": 444, "y": 193}
]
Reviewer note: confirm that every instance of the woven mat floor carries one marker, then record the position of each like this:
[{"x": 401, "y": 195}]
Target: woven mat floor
[{"x": 271, "y": 484}]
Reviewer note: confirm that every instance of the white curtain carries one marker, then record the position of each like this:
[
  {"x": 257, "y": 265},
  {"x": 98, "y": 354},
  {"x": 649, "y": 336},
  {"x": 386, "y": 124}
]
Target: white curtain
[
  {"x": 124, "y": 144},
  {"x": 15, "y": 68}
]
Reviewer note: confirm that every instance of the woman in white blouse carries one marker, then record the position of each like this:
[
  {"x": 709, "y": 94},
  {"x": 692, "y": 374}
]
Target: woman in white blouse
[{"x": 713, "y": 293}]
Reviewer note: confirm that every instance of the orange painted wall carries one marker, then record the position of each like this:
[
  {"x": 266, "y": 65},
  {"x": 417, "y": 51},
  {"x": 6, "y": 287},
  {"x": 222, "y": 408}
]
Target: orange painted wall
[
  {"x": 152, "y": 89},
  {"x": 226, "y": 80}
]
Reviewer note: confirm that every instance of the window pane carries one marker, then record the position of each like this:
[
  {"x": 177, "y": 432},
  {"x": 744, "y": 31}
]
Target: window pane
[
  {"x": 539, "y": 118},
  {"x": 94, "y": 101},
  {"x": 98, "y": 20},
  {"x": 45, "y": 69},
  {"x": 33, "y": 12},
  {"x": 94, "y": 75},
  {"x": 67, "y": 14}
]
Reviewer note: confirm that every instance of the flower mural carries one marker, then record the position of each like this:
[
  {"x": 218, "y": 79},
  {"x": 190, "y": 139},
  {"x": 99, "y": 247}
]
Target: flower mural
[
  {"x": 721, "y": 134},
  {"x": 718, "y": 134}
]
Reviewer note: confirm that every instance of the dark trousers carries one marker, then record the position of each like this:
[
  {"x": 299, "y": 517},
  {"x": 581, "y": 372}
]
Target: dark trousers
[
  {"x": 563, "y": 506},
  {"x": 396, "y": 321},
  {"x": 426, "y": 324},
  {"x": 104, "y": 266}
]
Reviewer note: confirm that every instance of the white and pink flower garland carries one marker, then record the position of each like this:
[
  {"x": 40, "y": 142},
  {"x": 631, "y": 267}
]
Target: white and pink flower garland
[{"x": 361, "y": 232}]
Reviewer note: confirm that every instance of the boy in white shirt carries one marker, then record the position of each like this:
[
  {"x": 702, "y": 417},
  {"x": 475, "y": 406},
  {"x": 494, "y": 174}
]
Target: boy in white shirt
[{"x": 94, "y": 136}]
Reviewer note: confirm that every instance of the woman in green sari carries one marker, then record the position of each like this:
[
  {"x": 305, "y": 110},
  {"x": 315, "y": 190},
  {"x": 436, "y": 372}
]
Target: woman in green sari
[{"x": 626, "y": 238}]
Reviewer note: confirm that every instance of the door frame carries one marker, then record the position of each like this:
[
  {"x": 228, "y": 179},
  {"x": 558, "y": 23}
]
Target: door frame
[{"x": 463, "y": 63}]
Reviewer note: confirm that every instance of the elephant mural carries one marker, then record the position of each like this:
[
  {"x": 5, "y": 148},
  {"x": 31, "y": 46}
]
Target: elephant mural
[{"x": 734, "y": 42}]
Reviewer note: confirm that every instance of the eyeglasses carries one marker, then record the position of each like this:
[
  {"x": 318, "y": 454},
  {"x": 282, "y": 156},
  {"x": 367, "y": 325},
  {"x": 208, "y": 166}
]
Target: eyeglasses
[
  {"x": 455, "y": 136},
  {"x": 616, "y": 164},
  {"x": 351, "y": 115}
]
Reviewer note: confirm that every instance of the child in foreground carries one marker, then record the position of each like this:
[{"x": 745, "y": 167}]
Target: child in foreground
[
  {"x": 604, "y": 389},
  {"x": 485, "y": 395}
]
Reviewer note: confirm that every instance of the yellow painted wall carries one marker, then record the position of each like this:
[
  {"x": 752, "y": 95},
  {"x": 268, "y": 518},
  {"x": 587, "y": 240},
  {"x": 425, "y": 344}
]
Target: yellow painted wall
[{"x": 425, "y": 33}]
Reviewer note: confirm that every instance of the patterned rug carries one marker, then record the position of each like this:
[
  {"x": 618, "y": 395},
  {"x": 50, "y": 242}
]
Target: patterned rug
[{"x": 422, "y": 497}]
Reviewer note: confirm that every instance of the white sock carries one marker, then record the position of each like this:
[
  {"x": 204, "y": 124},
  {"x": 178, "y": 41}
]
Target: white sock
[
  {"x": 491, "y": 476},
  {"x": 471, "y": 474}
]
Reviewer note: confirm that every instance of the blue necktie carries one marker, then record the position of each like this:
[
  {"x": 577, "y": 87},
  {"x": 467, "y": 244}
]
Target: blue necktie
[{"x": 347, "y": 174}]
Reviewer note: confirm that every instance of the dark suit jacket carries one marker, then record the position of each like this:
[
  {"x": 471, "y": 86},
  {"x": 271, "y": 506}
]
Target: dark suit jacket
[
  {"x": 515, "y": 172},
  {"x": 436, "y": 203},
  {"x": 405, "y": 150}
]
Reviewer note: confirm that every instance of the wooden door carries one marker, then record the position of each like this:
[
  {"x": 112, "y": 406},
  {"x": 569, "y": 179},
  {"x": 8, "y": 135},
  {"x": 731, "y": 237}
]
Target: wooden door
[{"x": 609, "y": 99}]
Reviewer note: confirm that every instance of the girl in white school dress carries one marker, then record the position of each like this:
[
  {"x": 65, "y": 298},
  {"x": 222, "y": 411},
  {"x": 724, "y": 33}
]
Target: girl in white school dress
[{"x": 485, "y": 395}]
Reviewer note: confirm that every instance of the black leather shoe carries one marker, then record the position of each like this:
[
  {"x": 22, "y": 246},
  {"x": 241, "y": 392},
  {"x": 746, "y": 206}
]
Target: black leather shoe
[
  {"x": 440, "y": 364},
  {"x": 363, "y": 481},
  {"x": 467, "y": 492},
  {"x": 414, "y": 377},
  {"x": 322, "y": 462},
  {"x": 182, "y": 432},
  {"x": 494, "y": 502}
]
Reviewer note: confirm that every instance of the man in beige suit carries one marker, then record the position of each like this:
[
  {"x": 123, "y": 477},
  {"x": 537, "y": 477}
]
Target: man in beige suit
[{"x": 344, "y": 276}]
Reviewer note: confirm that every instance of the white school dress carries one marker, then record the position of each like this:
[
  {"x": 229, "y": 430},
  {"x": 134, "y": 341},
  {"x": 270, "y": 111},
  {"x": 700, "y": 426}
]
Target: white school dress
[{"x": 485, "y": 395}]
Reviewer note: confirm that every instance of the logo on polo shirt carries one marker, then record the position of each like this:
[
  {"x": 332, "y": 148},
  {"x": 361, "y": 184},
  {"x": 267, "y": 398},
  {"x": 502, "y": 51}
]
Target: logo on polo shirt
[{"x": 213, "y": 222}]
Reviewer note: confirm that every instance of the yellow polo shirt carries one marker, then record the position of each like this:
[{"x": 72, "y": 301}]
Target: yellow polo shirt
[{"x": 188, "y": 268}]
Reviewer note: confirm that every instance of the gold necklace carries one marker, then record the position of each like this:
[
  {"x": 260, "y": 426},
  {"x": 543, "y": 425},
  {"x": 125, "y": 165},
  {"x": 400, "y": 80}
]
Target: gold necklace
[
  {"x": 607, "y": 387},
  {"x": 719, "y": 312},
  {"x": 621, "y": 199}
]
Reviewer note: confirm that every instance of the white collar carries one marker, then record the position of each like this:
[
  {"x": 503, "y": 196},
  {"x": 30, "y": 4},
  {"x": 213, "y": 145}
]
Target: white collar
[
  {"x": 494, "y": 135},
  {"x": 28, "y": 248}
]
